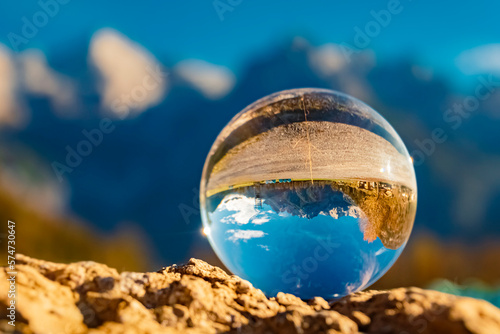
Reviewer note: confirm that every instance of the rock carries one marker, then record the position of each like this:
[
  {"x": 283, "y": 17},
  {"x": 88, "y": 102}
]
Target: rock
[
  {"x": 415, "y": 310},
  {"x": 87, "y": 297},
  {"x": 46, "y": 305}
]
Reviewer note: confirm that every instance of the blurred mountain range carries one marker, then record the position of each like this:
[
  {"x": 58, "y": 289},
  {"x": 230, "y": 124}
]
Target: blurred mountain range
[{"x": 115, "y": 134}]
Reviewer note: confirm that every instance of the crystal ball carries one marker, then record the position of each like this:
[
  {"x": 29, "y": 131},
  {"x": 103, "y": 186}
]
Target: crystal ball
[{"x": 309, "y": 192}]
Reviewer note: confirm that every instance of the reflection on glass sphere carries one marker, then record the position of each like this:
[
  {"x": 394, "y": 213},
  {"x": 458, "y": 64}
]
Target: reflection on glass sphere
[{"x": 310, "y": 192}]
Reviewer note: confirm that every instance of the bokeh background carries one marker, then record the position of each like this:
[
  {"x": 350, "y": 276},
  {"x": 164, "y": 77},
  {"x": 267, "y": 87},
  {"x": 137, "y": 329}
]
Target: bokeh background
[{"x": 108, "y": 109}]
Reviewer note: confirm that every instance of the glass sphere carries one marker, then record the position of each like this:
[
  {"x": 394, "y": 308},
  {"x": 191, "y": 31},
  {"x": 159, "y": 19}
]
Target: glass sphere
[{"x": 310, "y": 192}]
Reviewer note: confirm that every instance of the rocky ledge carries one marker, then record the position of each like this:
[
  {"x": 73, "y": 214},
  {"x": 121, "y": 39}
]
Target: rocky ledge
[{"x": 88, "y": 297}]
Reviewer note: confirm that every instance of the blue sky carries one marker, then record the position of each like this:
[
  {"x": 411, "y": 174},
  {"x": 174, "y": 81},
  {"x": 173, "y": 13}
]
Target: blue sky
[{"x": 433, "y": 32}]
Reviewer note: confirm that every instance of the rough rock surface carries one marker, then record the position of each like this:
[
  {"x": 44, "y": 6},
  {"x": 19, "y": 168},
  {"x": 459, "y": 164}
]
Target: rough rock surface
[{"x": 89, "y": 297}]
